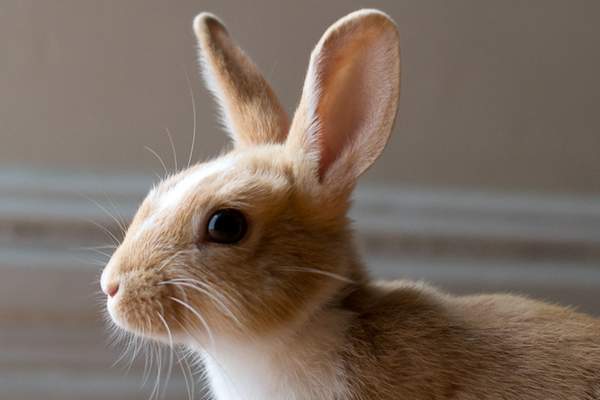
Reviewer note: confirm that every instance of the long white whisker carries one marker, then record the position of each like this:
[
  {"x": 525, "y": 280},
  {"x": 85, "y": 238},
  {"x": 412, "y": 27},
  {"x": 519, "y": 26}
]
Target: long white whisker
[
  {"x": 136, "y": 347},
  {"x": 219, "y": 303},
  {"x": 123, "y": 222},
  {"x": 105, "y": 211},
  {"x": 139, "y": 344},
  {"x": 172, "y": 148},
  {"x": 223, "y": 297},
  {"x": 156, "y": 390},
  {"x": 191, "y": 90},
  {"x": 158, "y": 176},
  {"x": 109, "y": 246},
  {"x": 166, "y": 262},
  {"x": 155, "y": 154},
  {"x": 105, "y": 230},
  {"x": 317, "y": 271},
  {"x": 169, "y": 369},
  {"x": 189, "y": 368},
  {"x": 125, "y": 351},
  {"x": 149, "y": 360},
  {"x": 91, "y": 261},
  {"x": 189, "y": 384},
  {"x": 199, "y": 316},
  {"x": 185, "y": 378},
  {"x": 101, "y": 252}
]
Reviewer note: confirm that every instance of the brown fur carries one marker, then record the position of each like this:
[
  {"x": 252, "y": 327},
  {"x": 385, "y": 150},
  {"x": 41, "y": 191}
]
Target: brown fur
[{"x": 302, "y": 320}]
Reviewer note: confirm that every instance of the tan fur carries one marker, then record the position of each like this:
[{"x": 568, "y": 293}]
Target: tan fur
[
  {"x": 248, "y": 102},
  {"x": 289, "y": 312}
]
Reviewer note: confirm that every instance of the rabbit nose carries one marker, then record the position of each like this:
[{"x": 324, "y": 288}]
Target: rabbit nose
[{"x": 111, "y": 289}]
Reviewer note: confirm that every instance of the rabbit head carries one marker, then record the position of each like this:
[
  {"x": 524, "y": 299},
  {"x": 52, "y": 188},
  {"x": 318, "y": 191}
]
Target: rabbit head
[{"x": 254, "y": 241}]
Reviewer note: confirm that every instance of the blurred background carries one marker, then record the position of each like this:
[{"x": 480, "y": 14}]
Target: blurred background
[{"x": 491, "y": 181}]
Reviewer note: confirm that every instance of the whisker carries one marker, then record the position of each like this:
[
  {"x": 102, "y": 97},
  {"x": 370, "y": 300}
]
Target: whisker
[
  {"x": 123, "y": 221},
  {"x": 183, "y": 293},
  {"x": 199, "y": 316},
  {"x": 147, "y": 364},
  {"x": 172, "y": 148},
  {"x": 318, "y": 271},
  {"x": 169, "y": 369},
  {"x": 136, "y": 345},
  {"x": 189, "y": 384},
  {"x": 105, "y": 211},
  {"x": 139, "y": 344},
  {"x": 193, "y": 99},
  {"x": 104, "y": 229},
  {"x": 155, "y": 154},
  {"x": 223, "y": 297},
  {"x": 185, "y": 358},
  {"x": 101, "y": 252},
  {"x": 91, "y": 261},
  {"x": 124, "y": 353},
  {"x": 149, "y": 358},
  {"x": 166, "y": 262},
  {"x": 156, "y": 388},
  {"x": 108, "y": 246},
  {"x": 210, "y": 295}
]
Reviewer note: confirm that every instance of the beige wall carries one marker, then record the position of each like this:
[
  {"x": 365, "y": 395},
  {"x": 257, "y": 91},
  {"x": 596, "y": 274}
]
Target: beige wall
[{"x": 496, "y": 94}]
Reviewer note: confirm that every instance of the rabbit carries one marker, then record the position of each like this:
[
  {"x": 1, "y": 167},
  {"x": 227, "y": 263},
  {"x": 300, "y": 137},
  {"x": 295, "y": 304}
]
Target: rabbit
[{"x": 249, "y": 259}]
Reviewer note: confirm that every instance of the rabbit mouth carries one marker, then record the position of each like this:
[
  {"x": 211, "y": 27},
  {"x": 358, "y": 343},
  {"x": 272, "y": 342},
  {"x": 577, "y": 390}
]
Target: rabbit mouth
[
  {"x": 143, "y": 310},
  {"x": 161, "y": 311}
]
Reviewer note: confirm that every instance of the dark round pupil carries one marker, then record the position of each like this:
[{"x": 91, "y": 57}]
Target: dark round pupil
[{"x": 226, "y": 226}]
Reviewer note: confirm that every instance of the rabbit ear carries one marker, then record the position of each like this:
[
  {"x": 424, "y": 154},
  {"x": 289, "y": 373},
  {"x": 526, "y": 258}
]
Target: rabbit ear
[
  {"x": 250, "y": 110},
  {"x": 350, "y": 97}
]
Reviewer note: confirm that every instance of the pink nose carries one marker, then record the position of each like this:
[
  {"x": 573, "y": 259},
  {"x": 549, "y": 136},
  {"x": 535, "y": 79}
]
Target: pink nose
[{"x": 111, "y": 289}]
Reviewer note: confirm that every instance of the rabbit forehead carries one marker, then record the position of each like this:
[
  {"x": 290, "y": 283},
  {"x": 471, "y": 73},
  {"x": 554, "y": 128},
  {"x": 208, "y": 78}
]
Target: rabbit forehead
[
  {"x": 174, "y": 196},
  {"x": 221, "y": 178},
  {"x": 238, "y": 170}
]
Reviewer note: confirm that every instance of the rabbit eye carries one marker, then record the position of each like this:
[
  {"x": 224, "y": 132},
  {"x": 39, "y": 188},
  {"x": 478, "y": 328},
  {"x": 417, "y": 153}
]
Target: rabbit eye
[{"x": 226, "y": 226}]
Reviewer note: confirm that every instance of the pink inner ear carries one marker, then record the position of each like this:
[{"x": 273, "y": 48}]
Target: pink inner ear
[
  {"x": 354, "y": 95},
  {"x": 341, "y": 111}
]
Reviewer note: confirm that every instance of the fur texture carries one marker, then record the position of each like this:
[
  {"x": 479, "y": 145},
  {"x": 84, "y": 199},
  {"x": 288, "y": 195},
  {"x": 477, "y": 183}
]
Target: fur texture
[{"x": 289, "y": 311}]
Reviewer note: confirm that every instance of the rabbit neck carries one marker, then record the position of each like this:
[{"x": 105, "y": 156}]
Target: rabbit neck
[{"x": 299, "y": 365}]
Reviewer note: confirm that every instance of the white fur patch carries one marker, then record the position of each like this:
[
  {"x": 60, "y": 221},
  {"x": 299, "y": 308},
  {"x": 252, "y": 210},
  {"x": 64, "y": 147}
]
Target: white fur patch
[
  {"x": 146, "y": 225},
  {"x": 190, "y": 183},
  {"x": 175, "y": 196},
  {"x": 246, "y": 372}
]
